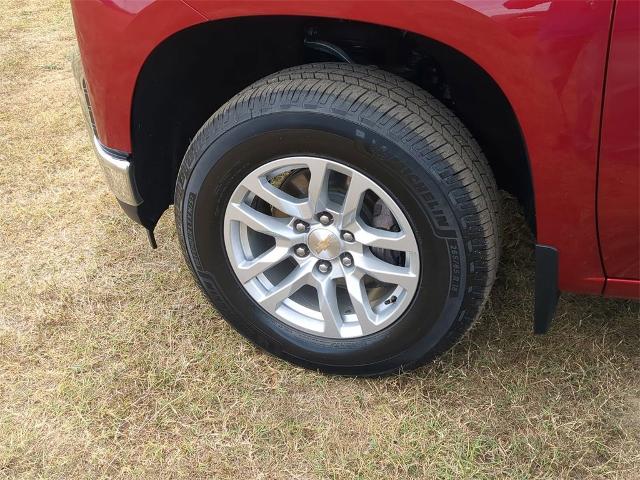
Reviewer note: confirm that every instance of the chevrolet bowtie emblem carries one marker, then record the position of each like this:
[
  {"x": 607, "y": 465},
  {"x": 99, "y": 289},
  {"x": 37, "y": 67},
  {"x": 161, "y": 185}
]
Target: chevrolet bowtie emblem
[{"x": 323, "y": 244}]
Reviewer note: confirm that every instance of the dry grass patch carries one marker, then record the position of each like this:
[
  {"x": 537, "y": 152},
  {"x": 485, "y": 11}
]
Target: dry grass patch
[{"x": 113, "y": 364}]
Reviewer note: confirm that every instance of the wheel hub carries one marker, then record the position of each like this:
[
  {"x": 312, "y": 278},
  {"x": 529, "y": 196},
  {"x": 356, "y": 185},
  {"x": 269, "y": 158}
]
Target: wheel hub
[{"x": 324, "y": 244}]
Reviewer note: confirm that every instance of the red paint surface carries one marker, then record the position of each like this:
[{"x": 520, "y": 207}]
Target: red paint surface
[
  {"x": 622, "y": 288},
  {"x": 619, "y": 187},
  {"x": 115, "y": 37},
  {"x": 548, "y": 57}
]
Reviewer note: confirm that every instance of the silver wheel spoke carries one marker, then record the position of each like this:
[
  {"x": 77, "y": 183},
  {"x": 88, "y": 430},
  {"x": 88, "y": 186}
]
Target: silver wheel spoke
[
  {"x": 328, "y": 301},
  {"x": 318, "y": 186},
  {"x": 386, "y": 272},
  {"x": 288, "y": 286},
  {"x": 284, "y": 202},
  {"x": 361, "y": 304},
  {"x": 353, "y": 199},
  {"x": 250, "y": 268},
  {"x": 376, "y": 237},
  {"x": 260, "y": 222}
]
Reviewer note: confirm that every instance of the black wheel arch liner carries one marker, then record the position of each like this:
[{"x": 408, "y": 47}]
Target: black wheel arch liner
[{"x": 546, "y": 275}]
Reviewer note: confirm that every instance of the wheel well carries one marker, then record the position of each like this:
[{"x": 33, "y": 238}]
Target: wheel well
[{"x": 195, "y": 71}]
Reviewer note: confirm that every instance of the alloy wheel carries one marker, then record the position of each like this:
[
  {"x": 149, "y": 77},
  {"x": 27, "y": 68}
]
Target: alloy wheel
[{"x": 322, "y": 247}]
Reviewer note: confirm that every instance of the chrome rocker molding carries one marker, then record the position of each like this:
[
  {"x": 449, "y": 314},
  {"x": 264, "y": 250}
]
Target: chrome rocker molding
[{"x": 116, "y": 166}]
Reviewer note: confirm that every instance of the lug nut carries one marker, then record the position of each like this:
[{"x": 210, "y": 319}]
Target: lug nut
[
  {"x": 325, "y": 218},
  {"x": 300, "y": 227},
  {"x": 324, "y": 267},
  {"x": 347, "y": 261},
  {"x": 347, "y": 236},
  {"x": 301, "y": 251}
]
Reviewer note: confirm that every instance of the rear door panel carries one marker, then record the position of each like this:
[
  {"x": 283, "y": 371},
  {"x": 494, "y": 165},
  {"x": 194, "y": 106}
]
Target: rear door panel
[{"x": 619, "y": 165}]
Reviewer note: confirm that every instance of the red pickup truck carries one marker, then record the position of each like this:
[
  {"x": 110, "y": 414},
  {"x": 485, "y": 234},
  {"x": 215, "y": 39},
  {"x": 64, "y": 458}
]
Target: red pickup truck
[{"x": 334, "y": 166}]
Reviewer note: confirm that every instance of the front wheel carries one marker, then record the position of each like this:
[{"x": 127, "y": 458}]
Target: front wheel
[{"x": 341, "y": 218}]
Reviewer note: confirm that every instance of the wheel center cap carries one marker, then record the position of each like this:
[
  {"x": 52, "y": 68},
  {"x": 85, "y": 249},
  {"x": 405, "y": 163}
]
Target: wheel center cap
[{"x": 323, "y": 243}]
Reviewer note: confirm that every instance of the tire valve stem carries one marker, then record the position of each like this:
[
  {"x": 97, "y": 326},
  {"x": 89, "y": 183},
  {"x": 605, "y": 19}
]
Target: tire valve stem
[{"x": 390, "y": 300}]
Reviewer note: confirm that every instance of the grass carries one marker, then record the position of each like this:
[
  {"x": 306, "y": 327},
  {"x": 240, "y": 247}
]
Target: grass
[{"x": 112, "y": 364}]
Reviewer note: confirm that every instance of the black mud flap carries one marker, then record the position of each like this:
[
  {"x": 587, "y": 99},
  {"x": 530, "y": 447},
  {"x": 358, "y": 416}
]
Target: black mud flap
[
  {"x": 547, "y": 292},
  {"x": 134, "y": 213}
]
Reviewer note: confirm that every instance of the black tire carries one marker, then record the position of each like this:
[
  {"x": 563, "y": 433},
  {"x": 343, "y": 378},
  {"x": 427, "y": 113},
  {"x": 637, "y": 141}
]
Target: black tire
[{"x": 405, "y": 140}]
